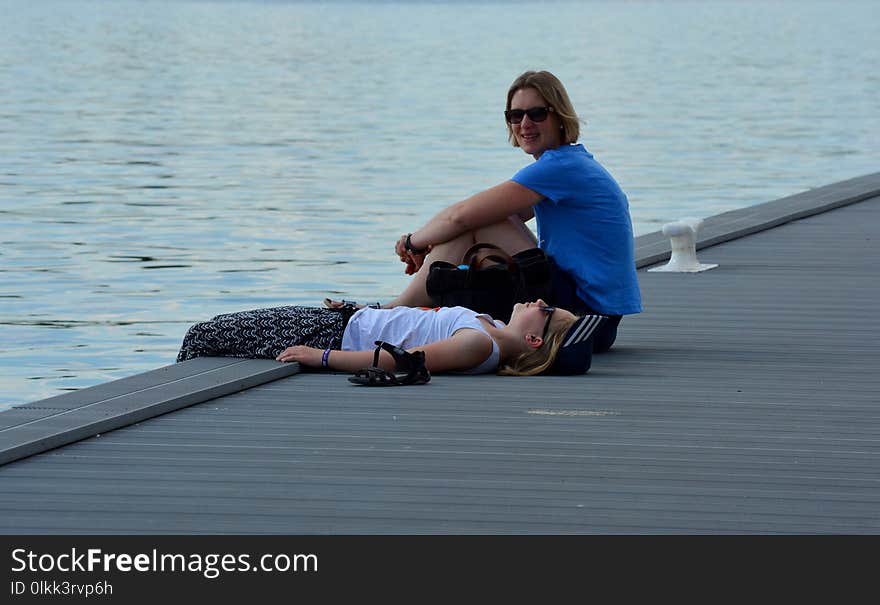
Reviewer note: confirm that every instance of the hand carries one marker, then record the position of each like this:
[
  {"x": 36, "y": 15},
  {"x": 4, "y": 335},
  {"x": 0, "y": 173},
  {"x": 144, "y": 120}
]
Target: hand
[
  {"x": 400, "y": 248},
  {"x": 414, "y": 262},
  {"x": 412, "y": 259},
  {"x": 307, "y": 356}
]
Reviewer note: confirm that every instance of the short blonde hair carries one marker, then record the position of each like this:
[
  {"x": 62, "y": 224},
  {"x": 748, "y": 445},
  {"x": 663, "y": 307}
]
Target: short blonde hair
[
  {"x": 555, "y": 95},
  {"x": 536, "y": 361}
]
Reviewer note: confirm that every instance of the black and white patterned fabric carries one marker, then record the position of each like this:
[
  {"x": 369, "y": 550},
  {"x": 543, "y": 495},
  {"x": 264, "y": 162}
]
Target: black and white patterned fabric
[{"x": 264, "y": 333}]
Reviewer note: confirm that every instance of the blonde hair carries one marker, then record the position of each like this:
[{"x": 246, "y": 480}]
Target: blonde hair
[
  {"x": 537, "y": 360},
  {"x": 555, "y": 95}
]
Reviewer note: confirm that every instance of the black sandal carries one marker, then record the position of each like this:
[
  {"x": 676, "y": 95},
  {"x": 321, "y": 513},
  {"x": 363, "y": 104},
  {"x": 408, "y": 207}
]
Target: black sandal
[{"x": 409, "y": 369}]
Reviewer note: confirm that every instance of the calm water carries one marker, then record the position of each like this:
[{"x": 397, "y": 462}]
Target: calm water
[{"x": 162, "y": 162}]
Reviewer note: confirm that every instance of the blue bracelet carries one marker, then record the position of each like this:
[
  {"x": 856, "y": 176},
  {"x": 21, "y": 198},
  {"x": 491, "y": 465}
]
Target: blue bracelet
[{"x": 325, "y": 357}]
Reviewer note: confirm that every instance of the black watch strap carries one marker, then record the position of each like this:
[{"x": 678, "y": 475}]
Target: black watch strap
[{"x": 409, "y": 246}]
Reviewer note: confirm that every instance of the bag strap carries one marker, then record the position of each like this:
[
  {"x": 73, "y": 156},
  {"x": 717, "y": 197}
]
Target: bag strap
[{"x": 479, "y": 253}]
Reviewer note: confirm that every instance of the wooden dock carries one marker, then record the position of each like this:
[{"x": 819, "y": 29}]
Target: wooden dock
[{"x": 743, "y": 400}]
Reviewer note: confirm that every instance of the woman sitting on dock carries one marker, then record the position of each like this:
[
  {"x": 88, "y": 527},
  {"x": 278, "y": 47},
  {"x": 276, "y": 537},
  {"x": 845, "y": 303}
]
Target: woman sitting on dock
[
  {"x": 538, "y": 339},
  {"x": 582, "y": 214}
]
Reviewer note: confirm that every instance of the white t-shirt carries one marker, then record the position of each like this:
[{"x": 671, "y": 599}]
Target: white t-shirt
[{"x": 409, "y": 327}]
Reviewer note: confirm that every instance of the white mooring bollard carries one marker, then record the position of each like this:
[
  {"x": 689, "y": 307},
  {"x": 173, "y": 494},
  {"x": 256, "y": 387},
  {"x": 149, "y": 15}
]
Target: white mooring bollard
[{"x": 683, "y": 239}]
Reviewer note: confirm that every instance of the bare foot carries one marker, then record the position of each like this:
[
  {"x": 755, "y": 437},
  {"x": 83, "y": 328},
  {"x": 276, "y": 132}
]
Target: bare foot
[
  {"x": 333, "y": 304},
  {"x": 338, "y": 304}
]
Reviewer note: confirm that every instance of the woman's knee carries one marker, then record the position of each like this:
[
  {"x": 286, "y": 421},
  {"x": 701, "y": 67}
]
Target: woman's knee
[
  {"x": 511, "y": 235},
  {"x": 450, "y": 251}
]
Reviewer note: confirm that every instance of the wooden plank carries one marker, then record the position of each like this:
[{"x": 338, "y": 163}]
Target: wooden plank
[
  {"x": 128, "y": 384},
  {"x": 35, "y": 428}
]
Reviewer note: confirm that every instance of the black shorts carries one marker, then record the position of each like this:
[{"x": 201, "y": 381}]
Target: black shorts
[{"x": 563, "y": 293}]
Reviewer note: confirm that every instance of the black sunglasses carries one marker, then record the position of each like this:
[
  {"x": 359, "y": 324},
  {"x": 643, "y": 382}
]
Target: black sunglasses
[
  {"x": 536, "y": 114},
  {"x": 549, "y": 311}
]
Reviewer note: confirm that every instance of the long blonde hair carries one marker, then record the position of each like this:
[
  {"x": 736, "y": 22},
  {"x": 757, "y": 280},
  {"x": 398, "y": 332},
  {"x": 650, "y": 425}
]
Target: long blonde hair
[{"x": 537, "y": 360}]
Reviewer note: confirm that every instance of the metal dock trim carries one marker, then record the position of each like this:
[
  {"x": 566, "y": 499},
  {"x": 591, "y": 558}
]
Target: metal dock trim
[
  {"x": 653, "y": 248},
  {"x": 43, "y": 425}
]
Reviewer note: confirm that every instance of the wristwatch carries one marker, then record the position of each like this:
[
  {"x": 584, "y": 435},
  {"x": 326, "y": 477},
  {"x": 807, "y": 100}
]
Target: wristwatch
[{"x": 408, "y": 245}]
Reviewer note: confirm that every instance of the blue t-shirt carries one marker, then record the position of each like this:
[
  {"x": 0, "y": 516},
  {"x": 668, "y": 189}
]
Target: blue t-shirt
[{"x": 584, "y": 224}]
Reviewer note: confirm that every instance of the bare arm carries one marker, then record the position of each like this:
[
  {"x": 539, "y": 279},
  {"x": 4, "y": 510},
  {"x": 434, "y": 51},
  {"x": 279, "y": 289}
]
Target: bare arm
[
  {"x": 485, "y": 208},
  {"x": 464, "y": 350}
]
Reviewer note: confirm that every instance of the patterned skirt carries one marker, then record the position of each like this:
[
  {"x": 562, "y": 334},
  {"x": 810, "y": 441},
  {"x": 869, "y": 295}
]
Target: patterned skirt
[{"x": 264, "y": 333}]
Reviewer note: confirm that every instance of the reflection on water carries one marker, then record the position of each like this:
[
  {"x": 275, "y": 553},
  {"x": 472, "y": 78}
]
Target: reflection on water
[{"x": 164, "y": 162}]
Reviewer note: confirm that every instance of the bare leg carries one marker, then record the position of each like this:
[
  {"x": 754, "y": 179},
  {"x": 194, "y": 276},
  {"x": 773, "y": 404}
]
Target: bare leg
[{"x": 510, "y": 235}]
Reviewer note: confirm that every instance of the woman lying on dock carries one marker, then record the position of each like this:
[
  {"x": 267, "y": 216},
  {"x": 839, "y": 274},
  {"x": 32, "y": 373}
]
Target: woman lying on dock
[{"x": 538, "y": 339}]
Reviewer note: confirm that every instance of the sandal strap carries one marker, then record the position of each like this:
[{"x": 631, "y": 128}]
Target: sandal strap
[
  {"x": 409, "y": 368},
  {"x": 374, "y": 377},
  {"x": 401, "y": 356},
  {"x": 376, "y": 355},
  {"x": 357, "y": 305},
  {"x": 404, "y": 361}
]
